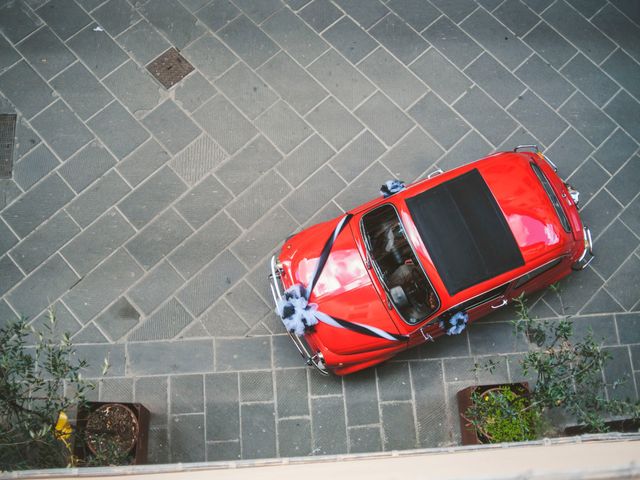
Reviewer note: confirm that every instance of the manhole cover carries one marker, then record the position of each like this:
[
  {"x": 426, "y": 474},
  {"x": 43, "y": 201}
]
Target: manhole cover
[
  {"x": 169, "y": 68},
  {"x": 7, "y": 140}
]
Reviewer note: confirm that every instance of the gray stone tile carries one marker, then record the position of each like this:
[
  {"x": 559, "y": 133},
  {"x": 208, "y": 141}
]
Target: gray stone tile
[
  {"x": 118, "y": 319},
  {"x": 589, "y": 79},
  {"x": 198, "y": 159},
  {"x": 256, "y": 386},
  {"x": 81, "y": 90},
  {"x": 415, "y": 12},
  {"x": 204, "y": 245},
  {"x": 152, "y": 393},
  {"x": 95, "y": 355},
  {"x": 143, "y": 42},
  {"x": 404, "y": 43},
  {"x": 210, "y": 56},
  {"x": 25, "y": 89},
  {"x": 361, "y": 398},
  {"x": 222, "y": 321},
  {"x": 629, "y": 8},
  {"x": 194, "y": 5},
  {"x": 62, "y": 129},
  {"x": 118, "y": 130},
  {"x": 222, "y": 406},
  {"x": 41, "y": 288},
  {"x": 143, "y": 162},
  {"x": 601, "y": 302},
  {"x": 38, "y": 204},
  {"x": 550, "y": 45},
  {"x": 259, "y": 11},
  {"x": 626, "y": 111},
  {"x": 248, "y": 164},
  {"x": 292, "y": 393},
  {"x": 430, "y": 402},
  {"x": 219, "y": 451},
  {"x": 157, "y": 358},
  {"x": 569, "y": 151},
  {"x": 398, "y": 426},
  {"x": 46, "y": 53},
  {"x": 134, "y": 87},
  {"x": 175, "y": 21},
  {"x": 601, "y": 327},
  {"x": 33, "y": 166},
  {"x": 455, "y": 9},
  {"x": 88, "y": 164},
  {"x": 156, "y": 287},
  {"x": 294, "y": 437},
  {"x": 624, "y": 184},
  {"x": 187, "y": 438},
  {"x": 628, "y": 328},
  {"x": 116, "y": 390},
  {"x": 256, "y": 201},
  {"x": 292, "y": 83},
  {"x": 285, "y": 353},
  {"x": 442, "y": 76},
  {"x": 495, "y": 79},
  {"x": 587, "y": 118},
  {"x": 322, "y": 385},
  {"x": 258, "y": 430},
  {"x": 211, "y": 283},
  {"x": 158, "y": 238},
  {"x": 390, "y": 75},
  {"x": 624, "y": 284},
  {"x": 151, "y": 197},
  {"x": 8, "y": 54},
  {"x": 619, "y": 368},
  {"x": 439, "y": 120},
  {"x": 382, "y": 117},
  {"x": 217, "y": 14},
  {"x": 64, "y": 17},
  {"x": 98, "y": 289},
  {"x": 187, "y": 394},
  {"x": 365, "y": 439},
  {"x": 295, "y": 37},
  {"x": 357, "y": 156},
  {"x": 171, "y": 126},
  {"x": 576, "y": 290},
  {"x": 283, "y": 126},
  {"x": 193, "y": 91},
  {"x": 90, "y": 334},
  {"x": 365, "y": 14},
  {"x": 248, "y": 41},
  {"x": 10, "y": 275},
  {"x": 394, "y": 382},
  {"x": 467, "y": 150},
  {"x": 97, "y": 199},
  {"x": 349, "y": 39},
  {"x": 486, "y": 338},
  {"x": 98, "y": 52},
  {"x": 328, "y": 425},
  {"x": 631, "y": 216},
  {"x": 97, "y": 242},
  {"x": 588, "y": 178},
  {"x": 541, "y": 121},
  {"x": 256, "y": 353},
  {"x": 203, "y": 201},
  {"x": 225, "y": 123},
  {"x": 26, "y": 139},
  {"x": 624, "y": 70},
  {"x": 334, "y": 122},
  {"x": 164, "y": 324},
  {"x": 412, "y": 156},
  {"x": 17, "y": 21},
  {"x": 452, "y": 42},
  {"x": 588, "y": 8},
  {"x": 246, "y": 90},
  {"x": 296, "y": 4},
  {"x": 615, "y": 151},
  {"x": 517, "y": 17},
  {"x": 597, "y": 214},
  {"x": 364, "y": 188},
  {"x": 8, "y": 240},
  {"x": 320, "y": 14},
  {"x": 545, "y": 81},
  {"x": 247, "y": 303},
  {"x": 305, "y": 159},
  {"x": 578, "y": 31},
  {"x": 494, "y": 37},
  {"x": 313, "y": 194},
  {"x": 116, "y": 16},
  {"x": 619, "y": 28}
]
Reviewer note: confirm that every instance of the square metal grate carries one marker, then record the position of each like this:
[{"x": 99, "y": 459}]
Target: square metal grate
[
  {"x": 7, "y": 142},
  {"x": 169, "y": 68}
]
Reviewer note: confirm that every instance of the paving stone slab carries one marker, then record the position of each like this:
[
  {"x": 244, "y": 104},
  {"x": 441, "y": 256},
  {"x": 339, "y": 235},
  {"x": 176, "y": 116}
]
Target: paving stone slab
[
  {"x": 282, "y": 125},
  {"x": 398, "y": 426},
  {"x": 292, "y": 394},
  {"x": 187, "y": 394},
  {"x": 569, "y": 151},
  {"x": 294, "y": 437},
  {"x": 439, "y": 120},
  {"x": 198, "y": 159},
  {"x": 430, "y": 403},
  {"x": 384, "y": 119},
  {"x": 363, "y": 188},
  {"x": 174, "y": 21},
  {"x": 26, "y": 90},
  {"x": 17, "y": 21},
  {"x": 361, "y": 398},
  {"x": 256, "y": 386},
  {"x": 8, "y": 240},
  {"x": 88, "y": 164},
  {"x": 517, "y": 17},
  {"x": 98, "y": 198},
  {"x": 116, "y": 16},
  {"x": 116, "y": 390},
  {"x": 46, "y": 53},
  {"x": 313, "y": 194},
  {"x": 258, "y": 430},
  {"x": 10, "y": 274},
  {"x": 357, "y": 156},
  {"x": 541, "y": 120},
  {"x": 394, "y": 382},
  {"x": 96, "y": 49},
  {"x": 221, "y": 321},
  {"x": 152, "y": 290},
  {"x": 441, "y": 75},
  {"x": 143, "y": 42},
  {"x": 254, "y": 202},
  {"x": 95, "y": 356},
  {"x": 591, "y": 80},
  {"x": 217, "y": 14},
  {"x": 247, "y": 303},
  {"x": 397, "y": 37},
  {"x": 222, "y": 406},
  {"x": 619, "y": 368},
  {"x": 624, "y": 285},
  {"x": 65, "y": 17},
  {"x": 217, "y": 451},
  {"x": 248, "y": 41},
  {"x": 631, "y": 216},
  {"x": 349, "y": 39},
  {"x": 118, "y": 130},
  {"x": 624, "y": 184},
  {"x": 90, "y": 334},
  {"x": 171, "y": 126},
  {"x": 152, "y": 393},
  {"x": 184, "y": 356},
  {"x": 134, "y": 87},
  {"x": 193, "y": 91},
  {"x": 619, "y": 28},
  {"x": 320, "y": 14},
  {"x": 118, "y": 319},
  {"x": 413, "y": 155},
  {"x": 61, "y": 128},
  {"x": 165, "y": 323},
  {"x": 187, "y": 438},
  {"x": 203, "y": 201},
  {"x": 329, "y": 431},
  {"x": 625, "y": 110},
  {"x": 242, "y": 354},
  {"x": 366, "y": 15},
  {"x": 364, "y": 439},
  {"x": 545, "y": 81},
  {"x": 334, "y": 123},
  {"x": 416, "y": 13},
  {"x": 285, "y": 353},
  {"x": 589, "y": 178},
  {"x": 246, "y": 90},
  {"x": 33, "y": 166},
  {"x": 587, "y": 118},
  {"x": 452, "y": 42}
]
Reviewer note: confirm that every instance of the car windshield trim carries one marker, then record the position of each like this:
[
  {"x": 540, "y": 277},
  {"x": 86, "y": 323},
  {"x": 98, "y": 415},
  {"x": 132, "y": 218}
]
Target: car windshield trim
[{"x": 406, "y": 284}]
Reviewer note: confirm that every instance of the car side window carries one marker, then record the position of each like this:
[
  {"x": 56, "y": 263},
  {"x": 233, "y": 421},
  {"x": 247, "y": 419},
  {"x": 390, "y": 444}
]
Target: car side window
[{"x": 536, "y": 273}]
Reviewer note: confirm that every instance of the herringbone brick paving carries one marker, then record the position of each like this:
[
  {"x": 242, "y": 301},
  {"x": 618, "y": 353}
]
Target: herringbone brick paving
[{"x": 147, "y": 217}]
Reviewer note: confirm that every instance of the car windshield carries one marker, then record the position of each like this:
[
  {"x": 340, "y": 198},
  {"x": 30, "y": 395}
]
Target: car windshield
[{"x": 396, "y": 265}]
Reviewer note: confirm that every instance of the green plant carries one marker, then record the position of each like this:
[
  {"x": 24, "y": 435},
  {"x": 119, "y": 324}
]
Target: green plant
[
  {"x": 40, "y": 377},
  {"x": 502, "y": 414}
]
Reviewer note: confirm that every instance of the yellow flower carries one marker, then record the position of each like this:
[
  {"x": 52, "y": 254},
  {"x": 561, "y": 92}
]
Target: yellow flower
[{"x": 63, "y": 427}]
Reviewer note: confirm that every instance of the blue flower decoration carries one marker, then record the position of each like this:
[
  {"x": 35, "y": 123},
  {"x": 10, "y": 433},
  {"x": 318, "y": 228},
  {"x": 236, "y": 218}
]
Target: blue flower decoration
[{"x": 457, "y": 323}]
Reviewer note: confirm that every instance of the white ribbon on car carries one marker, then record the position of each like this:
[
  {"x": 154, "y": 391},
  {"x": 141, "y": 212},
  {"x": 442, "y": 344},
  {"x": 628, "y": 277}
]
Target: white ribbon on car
[
  {"x": 300, "y": 316},
  {"x": 390, "y": 187}
]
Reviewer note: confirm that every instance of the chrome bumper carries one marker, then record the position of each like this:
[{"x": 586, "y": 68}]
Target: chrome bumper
[
  {"x": 315, "y": 360},
  {"x": 587, "y": 256}
]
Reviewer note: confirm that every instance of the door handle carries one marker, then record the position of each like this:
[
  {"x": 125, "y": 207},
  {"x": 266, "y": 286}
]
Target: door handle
[{"x": 504, "y": 302}]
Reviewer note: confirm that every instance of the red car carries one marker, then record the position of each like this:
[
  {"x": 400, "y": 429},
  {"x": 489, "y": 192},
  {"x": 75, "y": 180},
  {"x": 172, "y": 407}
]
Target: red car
[{"x": 407, "y": 268}]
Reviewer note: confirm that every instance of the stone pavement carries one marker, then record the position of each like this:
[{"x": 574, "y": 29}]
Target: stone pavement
[{"x": 147, "y": 216}]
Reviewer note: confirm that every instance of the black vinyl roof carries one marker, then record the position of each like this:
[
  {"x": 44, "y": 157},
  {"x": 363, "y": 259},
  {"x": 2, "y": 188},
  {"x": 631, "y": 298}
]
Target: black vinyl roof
[{"x": 464, "y": 231}]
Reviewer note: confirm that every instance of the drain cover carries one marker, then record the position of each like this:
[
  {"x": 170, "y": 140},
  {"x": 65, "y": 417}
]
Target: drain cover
[
  {"x": 169, "y": 68},
  {"x": 7, "y": 140}
]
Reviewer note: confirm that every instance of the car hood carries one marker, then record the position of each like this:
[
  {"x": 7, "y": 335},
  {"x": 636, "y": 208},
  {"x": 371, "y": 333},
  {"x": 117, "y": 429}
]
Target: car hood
[{"x": 345, "y": 289}]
